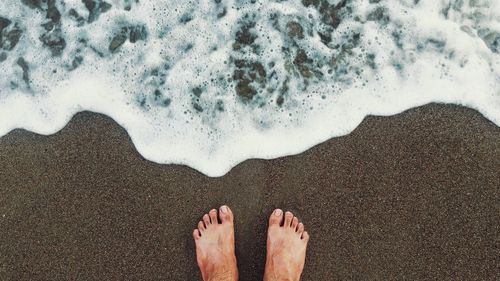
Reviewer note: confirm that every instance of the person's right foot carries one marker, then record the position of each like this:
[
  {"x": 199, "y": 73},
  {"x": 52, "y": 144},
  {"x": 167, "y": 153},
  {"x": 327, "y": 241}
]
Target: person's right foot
[{"x": 286, "y": 247}]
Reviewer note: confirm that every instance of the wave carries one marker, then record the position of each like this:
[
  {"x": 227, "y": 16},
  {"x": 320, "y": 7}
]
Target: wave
[{"x": 211, "y": 83}]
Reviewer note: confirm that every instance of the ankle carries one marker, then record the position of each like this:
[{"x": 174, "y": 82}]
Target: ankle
[
  {"x": 272, "y": 277},
  {"x": 226, "y": 275},
  {"x": 279, "y": 275}
]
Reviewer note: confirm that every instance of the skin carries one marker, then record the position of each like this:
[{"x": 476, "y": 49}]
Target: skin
[
  {"x": 286, "y": 246},
  {"x": 215, "y": 246}
]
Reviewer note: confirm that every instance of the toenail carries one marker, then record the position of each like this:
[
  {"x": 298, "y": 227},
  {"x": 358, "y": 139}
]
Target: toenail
[
  {"x": 278, "y": 212},
  {"x": 223, "y": 209}
]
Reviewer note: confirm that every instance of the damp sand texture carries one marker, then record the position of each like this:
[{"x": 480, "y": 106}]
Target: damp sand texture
[{"x": 409, "y": 197}]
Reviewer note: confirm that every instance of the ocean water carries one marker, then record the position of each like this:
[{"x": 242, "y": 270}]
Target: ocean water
[{"x": 211, "y": 83}]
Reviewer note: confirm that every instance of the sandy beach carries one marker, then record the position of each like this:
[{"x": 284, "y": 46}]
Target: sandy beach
[{"x": 413, "y": 196}]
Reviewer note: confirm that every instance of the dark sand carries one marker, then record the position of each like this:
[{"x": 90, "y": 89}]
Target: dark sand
[{"x": 414, "y": 196}]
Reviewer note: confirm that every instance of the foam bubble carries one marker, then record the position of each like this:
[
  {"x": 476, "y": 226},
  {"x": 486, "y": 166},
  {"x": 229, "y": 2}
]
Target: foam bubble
[{"x": 211, "y": 83}]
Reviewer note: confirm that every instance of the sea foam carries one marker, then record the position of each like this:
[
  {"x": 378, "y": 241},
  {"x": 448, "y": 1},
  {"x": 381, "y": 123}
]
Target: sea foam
[{"x": 211, "y": 83}]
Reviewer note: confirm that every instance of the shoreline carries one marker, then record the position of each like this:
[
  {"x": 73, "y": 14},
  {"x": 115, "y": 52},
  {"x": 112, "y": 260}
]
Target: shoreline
[{"x": 400, "y": 197}]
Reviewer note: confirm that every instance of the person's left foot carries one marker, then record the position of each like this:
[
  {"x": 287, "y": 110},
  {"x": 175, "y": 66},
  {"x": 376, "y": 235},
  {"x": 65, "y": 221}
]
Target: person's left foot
[{"x": 215, "y": 246}]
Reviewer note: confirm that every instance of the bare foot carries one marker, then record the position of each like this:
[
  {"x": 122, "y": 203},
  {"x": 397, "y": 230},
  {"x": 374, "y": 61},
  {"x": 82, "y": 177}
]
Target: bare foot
[
  {"x": 286, "y": 248},
  {"x": 215, "y": 246}
]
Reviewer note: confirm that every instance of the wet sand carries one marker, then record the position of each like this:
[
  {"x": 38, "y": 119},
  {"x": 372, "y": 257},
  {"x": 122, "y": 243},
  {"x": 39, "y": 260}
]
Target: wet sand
[{"x": 413, "y": 196}]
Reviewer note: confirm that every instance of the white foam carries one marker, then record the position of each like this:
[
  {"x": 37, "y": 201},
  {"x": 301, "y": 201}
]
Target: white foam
[{"x": 174, "y": 91}]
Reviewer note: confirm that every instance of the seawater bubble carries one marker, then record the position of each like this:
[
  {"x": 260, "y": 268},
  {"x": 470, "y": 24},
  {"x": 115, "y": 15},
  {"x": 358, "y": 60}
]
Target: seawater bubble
[{"x": 212, "y": 83}]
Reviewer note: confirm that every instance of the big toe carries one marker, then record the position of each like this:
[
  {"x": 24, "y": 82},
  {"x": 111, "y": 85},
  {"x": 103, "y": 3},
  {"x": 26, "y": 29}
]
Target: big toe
[
  {"x": 225, "y": 214},
  {"x": 276, "y": 217}
]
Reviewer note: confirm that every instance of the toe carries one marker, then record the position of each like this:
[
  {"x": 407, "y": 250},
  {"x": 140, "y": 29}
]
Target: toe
[
  {"x": 206, "y": 220},
  {"x": 225, "y": 214},
  {"x": 213, "y": 216},
  {"x": 201, "y": 227},
  {"x": 300, "y": 229},
  {"x": 276, "y": 217},
  {"x": 305, "y": 236},
  {"x": 288, "y": 219},
  {"x": 196, "y": 234},
  {"x": 295, "y": 223}
]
